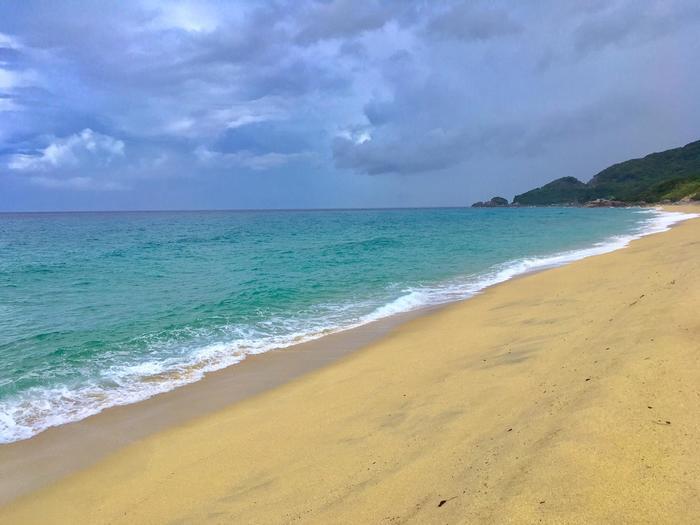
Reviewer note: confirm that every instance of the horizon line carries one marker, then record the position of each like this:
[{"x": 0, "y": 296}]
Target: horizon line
[{"x": 199, "y": 210}]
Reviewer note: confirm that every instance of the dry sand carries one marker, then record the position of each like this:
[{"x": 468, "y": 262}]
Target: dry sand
[{"x": 567, "y": 396}]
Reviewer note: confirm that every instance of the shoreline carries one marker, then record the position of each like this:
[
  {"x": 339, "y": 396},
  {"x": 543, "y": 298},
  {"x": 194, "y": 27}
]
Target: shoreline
[
  {"x": 77, "y": 445},
  {"x": 413, "y": 302}
]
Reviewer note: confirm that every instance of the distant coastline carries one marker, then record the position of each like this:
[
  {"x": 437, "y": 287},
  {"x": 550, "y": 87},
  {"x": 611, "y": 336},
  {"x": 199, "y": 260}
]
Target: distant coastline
[{"x": 667, "y": 177}]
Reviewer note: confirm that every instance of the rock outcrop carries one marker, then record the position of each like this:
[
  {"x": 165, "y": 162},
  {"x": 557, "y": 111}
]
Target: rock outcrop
[{"x": 495, "y": 202}]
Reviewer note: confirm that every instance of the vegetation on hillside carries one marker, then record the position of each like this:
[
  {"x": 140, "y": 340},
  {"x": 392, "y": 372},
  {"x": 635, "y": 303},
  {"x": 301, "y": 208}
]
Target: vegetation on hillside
[
  {"x": 564, "y": 190},
  {"x": 671, "y": 174}
]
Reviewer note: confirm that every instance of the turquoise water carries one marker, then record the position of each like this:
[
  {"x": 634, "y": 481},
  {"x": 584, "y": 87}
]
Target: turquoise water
[{"x": 99, "y": 309}]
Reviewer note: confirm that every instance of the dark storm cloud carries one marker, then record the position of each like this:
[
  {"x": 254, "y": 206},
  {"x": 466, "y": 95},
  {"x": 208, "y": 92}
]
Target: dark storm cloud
[
  {"x": 303, "y": 100},
  {"x": 462, "y": 106}
]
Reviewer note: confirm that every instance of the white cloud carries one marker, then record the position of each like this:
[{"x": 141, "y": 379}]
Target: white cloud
[
  {"x": 9, "y": 41},
  {"x": 233, "y": 116},
  {"x": 71, "y": 151},
  {"x": 11, "y": 79},
  {"x": 193, "y": 17},
  {"x": 356, "y": 135},
  {"x": 8, "y": 79}
]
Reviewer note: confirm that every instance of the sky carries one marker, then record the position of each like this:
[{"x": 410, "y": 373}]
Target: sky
[{"x": 125, "y": 105}]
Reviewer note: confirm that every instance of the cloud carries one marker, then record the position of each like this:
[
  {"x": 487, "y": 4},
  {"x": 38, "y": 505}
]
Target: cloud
[
  {"x": 239, "y": 114},
  {"x": 456, "y": 95},
  {"x": 10, "y": 80},
  {"x": 8, "y": 104},
  {"x": 193, "y": 17},
  {"x": 164, "y": 68},
  {"x": 70, "y": 152},
  {"x": 77, "y": 183},
  {"x": 60, "y": 164},
  {"x": 343, "y": 19},
  {"x": 404, "y": 150},
  {"x": 375, "y": 158},
  {"x": 9, "y": 42},
  {"x": 247, "y": 159},
  {"x": 14, "y": 77},
  {"x": 468, "y": 22},
  {"x": 633, "y": 22}
]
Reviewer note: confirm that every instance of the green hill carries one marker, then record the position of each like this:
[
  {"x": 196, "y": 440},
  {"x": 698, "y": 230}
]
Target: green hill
[
  {"x": 671, "y": 174},
  {"x": 564, "y": 190}
]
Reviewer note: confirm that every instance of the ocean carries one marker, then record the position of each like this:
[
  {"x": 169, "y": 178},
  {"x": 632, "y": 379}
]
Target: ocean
[{"x": 105, "y": 309}]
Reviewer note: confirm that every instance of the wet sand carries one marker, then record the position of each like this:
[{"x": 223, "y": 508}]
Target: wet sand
[
  {"x": 33, "y": 463},
  {"x": 567, "y": 396}
]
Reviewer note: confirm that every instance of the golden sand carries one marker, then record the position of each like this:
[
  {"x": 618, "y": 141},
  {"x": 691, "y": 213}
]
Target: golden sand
[{"x": 567, "y": 396}]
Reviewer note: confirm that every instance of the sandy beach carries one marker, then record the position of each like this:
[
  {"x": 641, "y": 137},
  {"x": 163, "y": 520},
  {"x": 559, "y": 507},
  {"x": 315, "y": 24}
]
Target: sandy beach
[{"x": 565, "y": 396}]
